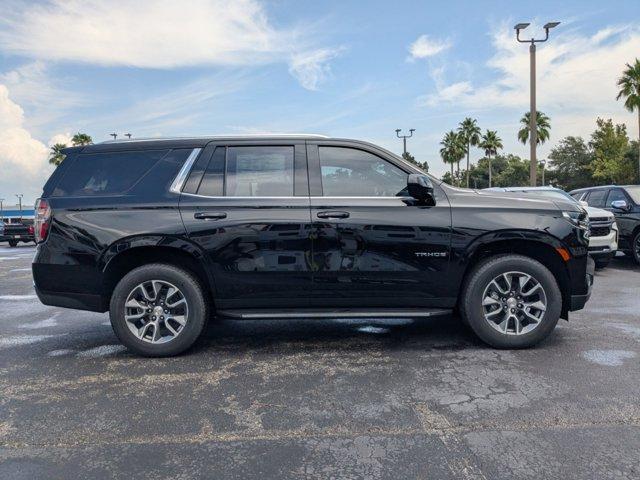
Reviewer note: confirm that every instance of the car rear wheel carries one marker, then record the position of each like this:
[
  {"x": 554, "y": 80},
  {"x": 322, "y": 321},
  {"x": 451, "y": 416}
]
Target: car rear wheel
[
  {"x": 158, "y": 310},
  {"x": 511, "y": 301}
]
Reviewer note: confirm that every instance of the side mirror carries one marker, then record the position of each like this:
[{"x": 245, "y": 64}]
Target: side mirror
[
  {"x": 619, "y": 205},
  {"x": 421, "y": 188},
  {"x": 583, "y": 203}
]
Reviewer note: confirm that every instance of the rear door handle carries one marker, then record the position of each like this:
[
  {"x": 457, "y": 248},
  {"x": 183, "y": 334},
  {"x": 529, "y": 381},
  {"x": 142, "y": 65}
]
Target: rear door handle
[
  {"x": 209, "y": 215},
  {"x": 333, "y": 214}
]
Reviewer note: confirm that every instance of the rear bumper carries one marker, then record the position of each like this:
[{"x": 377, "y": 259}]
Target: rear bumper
[
  {"x": 77, "y": 301},
  {"x": 578, "y": 301},
  {"x": 17, "y": 238}
]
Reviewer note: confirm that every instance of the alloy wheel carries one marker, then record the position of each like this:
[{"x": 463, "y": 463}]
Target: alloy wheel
[
  {"x": 156, "y": 311},
  {"x": 514, "y": 303}
]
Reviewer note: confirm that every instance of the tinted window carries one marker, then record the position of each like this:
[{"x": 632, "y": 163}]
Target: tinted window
[
  {"x": 616, "y": 194},
  {"x": 259, "y": 171},
  {"x": 106, "y": 173},
  {"x": 577, "y": 195},
  {"x": 212, "y": 183},
  {"x": 596, "y": 198},
  {"x": 348, "y": 172}
]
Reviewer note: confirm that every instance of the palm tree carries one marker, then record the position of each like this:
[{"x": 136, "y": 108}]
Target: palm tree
[
  {"x": 490, "y": 143},
  {"x": 56, "y": 156},
  {"x": 470, "y": 132},
  {"x": 543, "y": 126},
  {"x": 452, "y": 150},
  {"x": 629, "y": 84},
  {"x": 80, "y": 139}
]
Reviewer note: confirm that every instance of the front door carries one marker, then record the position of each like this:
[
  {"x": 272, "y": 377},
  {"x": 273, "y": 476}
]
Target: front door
[
  {"x": 373, "y": 245},
  {"x": 247, "y": 206}
]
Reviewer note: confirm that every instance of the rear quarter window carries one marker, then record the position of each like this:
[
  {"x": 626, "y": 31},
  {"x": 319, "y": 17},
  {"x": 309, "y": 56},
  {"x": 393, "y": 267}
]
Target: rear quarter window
[{"x": 109, "y": 173}]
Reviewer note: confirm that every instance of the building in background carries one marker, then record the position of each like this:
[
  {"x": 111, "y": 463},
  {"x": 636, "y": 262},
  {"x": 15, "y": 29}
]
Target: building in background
[{"x": 11, "y": 214}]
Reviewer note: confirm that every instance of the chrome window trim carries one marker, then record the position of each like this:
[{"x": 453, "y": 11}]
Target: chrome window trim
[
  {"x": 178, "y": 182},
  {"x": 293, "y": 197}
]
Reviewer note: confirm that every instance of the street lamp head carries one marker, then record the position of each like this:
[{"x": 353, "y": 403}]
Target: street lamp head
[
  {"x": 398, "y": 130},
  {"x": 521, "y": 26},
  {"x": 551, "y": 25}
]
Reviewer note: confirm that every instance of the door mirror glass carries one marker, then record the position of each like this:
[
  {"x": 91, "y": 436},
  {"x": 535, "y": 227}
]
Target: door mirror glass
[
  {"x": 619, "y": 205},
  {"x": 421, "y": 188}
]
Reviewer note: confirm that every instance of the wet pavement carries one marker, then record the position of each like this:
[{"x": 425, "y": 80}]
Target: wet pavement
[{"x": 393, "y": 398}]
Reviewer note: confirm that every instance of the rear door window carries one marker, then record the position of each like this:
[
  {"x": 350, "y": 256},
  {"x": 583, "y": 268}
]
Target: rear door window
[
  {"x": 109, "y": 173},
  {"x": 596, "y": 198},
  {"x": 259, "y": 171}
]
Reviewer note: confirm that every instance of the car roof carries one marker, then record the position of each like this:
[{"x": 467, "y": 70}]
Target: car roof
[{"x": 201, "y": 141}]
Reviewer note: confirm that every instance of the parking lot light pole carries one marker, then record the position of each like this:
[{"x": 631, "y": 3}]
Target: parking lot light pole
[
  {"x": 19, "y": 195},
  {"x": 1, "y": 210},
  {"x": 404, "y": 138},
  {"x": 533, "y": 121},
  {"x": 542, "y": 164}
]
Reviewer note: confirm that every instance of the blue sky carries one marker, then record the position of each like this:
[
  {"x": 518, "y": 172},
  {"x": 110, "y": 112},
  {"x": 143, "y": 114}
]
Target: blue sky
[{"x": 352, "y": 69}]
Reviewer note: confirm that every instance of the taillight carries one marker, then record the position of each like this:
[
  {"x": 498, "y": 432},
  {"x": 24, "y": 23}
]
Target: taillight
[
  {"x": 42, "y": 219},
  {"x": 30, "y": 230}
]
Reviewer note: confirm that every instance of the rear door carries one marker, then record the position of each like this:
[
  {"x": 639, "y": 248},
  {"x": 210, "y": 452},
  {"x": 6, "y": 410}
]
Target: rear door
[
  {"x": 247, "y": 205},
  {"x": 373, "y": 245}
]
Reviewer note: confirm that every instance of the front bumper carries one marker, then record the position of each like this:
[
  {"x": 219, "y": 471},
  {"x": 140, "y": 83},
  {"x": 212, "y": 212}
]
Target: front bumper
[{"x": 578, "y": 301}]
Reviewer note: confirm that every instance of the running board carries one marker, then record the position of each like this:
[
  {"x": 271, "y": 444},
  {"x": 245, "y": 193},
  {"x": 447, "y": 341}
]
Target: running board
[{"x": 285, "y": 314}]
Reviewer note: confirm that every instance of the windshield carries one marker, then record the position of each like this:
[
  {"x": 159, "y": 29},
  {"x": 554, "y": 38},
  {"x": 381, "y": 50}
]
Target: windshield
[
  {"x": 634, "y": 191},
  {"x": 554, "y": 194}
]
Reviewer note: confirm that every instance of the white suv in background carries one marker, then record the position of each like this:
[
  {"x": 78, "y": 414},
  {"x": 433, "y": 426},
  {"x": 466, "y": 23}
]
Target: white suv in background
[{"x": 603, "y": 242}]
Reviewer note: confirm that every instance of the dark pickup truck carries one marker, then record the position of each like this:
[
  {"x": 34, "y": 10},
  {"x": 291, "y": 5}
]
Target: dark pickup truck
[{"x": 16, "y": 232}]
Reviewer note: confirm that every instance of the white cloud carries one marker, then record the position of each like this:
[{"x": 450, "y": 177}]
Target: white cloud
[
  {"x": 158, "y": 34},
  {"x": 574, "y": 71},
  {"x": 23, "y": 159},
  {"x": 425, "y": 47},
  {"x": 312, "y": 68},
  {"x": 577, "y": 76}
]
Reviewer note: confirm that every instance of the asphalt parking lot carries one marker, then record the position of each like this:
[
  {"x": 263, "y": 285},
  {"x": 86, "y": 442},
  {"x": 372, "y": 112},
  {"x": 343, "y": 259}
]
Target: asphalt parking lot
[{"x": 319, "y": 399}]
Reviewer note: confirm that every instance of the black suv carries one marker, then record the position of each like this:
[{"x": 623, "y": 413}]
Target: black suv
[
  {"x": 624, "y": 202},
  {"x": 165, "y": 233}
]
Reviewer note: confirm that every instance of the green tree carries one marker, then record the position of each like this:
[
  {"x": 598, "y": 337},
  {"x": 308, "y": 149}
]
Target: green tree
[
  {"x": 490, "y": 143},
  {"x": 543, "y": 126},
  {"x": 56, "y": 156},
  {"x": 452, "y": 150},
  {"x": 570, "y": 164},
  {"x": 470, "y": 132},
  {"x": 610, "y": 144},
  {"x": 629, "y": 84},
  {"x": 80, "y": 139},
  {"x": 411, "y": 159},
  {"x": 514, "y": 173}
]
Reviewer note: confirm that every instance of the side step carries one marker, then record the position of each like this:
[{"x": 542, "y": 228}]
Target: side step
[{"x": 284, "y": 314}]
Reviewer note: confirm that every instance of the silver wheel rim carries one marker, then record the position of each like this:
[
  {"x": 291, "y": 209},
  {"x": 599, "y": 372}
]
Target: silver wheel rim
[
  {"x": 514, "y": 303},
  {"x": 156, "y": 311},
  {"x": 638, "y": 247}
]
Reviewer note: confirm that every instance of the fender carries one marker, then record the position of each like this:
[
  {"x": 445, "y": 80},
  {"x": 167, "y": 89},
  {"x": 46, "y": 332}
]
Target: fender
[
  {"x": 464, "y": 255},
  {"x": 165, "y": 241}
]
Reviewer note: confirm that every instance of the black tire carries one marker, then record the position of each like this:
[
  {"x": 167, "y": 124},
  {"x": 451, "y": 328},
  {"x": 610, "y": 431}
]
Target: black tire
[
  {"x": 471, "y": 308},
  {"x": 635, "y": 248},
  {"x": 602, "y": 262},
  {"x": 193, "y": 294},
  {"x": 13, "y": 243}
]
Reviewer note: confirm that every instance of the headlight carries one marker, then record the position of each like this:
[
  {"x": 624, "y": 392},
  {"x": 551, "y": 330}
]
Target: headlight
[{"x": 579, "y": 219}]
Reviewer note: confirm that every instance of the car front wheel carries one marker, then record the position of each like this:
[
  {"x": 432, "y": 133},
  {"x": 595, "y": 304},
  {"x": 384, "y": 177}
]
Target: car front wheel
[
  {"x": 158, "y": 310},
  {"x": 636, "y": 248},
  {"x": 511, "y": 301}
]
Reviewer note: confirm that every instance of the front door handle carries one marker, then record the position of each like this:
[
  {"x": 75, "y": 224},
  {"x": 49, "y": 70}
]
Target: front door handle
[
  {"x": 209, "y": 215},
  {"x": 333, "y": 214}
]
